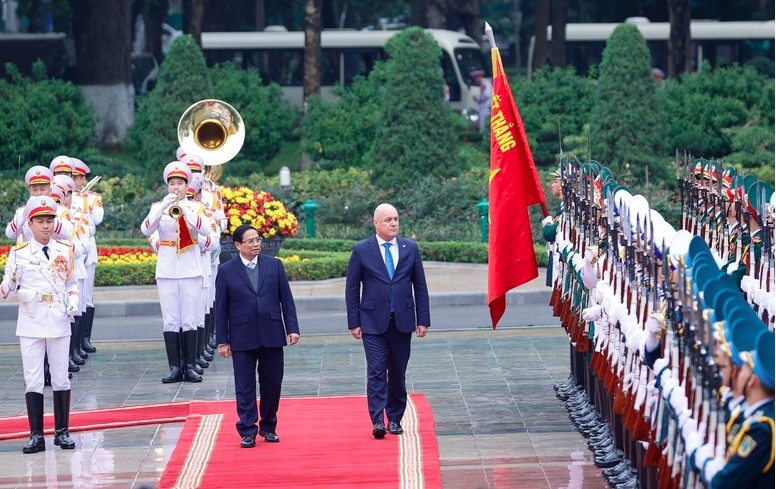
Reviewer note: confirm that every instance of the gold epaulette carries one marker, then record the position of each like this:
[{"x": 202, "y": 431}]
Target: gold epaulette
[
  {"x": 21, "y": 245},
  {"x": 64, "y": 242}
]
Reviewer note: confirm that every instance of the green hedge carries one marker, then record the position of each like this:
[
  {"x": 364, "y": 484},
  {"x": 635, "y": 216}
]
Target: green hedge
[{"x": 320, "y": 260}]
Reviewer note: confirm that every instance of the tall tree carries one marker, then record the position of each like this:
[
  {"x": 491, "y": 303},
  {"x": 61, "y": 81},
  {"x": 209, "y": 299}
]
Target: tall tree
[
  {"x": 417, "y": 135},
  {"x": 154, "y": 14},
  {"x": 626, "y": 133},
  {"x": 259, "y": 15},
  {"x": 312, "y": 48},
  {"x": 560, "y": 10},
  {"x": 679, "y": 41},
  {"x": 103, "y": 44},
  {"x": 540, "y": 34}
]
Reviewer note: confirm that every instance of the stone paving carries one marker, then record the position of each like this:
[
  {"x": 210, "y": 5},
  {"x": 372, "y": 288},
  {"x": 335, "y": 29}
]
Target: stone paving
[{"x": 498, "y": 423}]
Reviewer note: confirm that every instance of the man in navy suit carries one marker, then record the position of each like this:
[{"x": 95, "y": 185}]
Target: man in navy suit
[
  {"x": 255, "y": 318},
  {"x": 387, "y": 300}
]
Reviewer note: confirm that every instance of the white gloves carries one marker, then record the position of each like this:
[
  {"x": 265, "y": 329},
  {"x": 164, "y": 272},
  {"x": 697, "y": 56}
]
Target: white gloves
[
  {"x": 660, "y": 364},
  {"x": 654, "y": 331},
  {"x": 167, "y": 201},
  {"x": 72, "y": 305},
  {"x": 591, "y": 313},
  {"x": 547, "y": 221},
  {"x": 692, "y": 435}
]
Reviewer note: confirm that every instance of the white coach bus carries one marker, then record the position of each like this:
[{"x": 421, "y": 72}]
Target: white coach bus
[
  {"x": 279, "y": 58},
  {"x": 714, "y": 43}
]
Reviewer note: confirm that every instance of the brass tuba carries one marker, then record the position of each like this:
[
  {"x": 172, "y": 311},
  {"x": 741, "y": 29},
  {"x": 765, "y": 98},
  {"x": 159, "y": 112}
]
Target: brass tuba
[{"x": 213, "y": 130}]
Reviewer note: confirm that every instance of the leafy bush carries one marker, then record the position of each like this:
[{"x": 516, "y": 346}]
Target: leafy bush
[
  {"x": 115, "y": 275},
  {"x": 417, "y": 134},
  {"x": 183, "y": 80},
  {"x": 268, "y": 119},
  {"x": 41, "y": 118},
  {"x": 702, "y": 109},
  {"x": 626, "y": 130},
  {"x": 339, "y": 134},
  {"x": 556, "y": 100}
]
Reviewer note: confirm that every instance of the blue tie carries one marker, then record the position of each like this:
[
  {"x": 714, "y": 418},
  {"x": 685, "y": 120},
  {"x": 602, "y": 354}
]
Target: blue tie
[{"x": 389, "y": 260}]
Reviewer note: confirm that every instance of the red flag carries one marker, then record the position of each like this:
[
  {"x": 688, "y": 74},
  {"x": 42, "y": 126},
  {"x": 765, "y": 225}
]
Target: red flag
[{"x": 514, "y": 185}]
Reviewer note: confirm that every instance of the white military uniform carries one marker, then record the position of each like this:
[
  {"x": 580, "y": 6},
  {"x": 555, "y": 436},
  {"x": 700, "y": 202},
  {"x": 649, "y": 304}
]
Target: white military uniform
[
  {"x": 90, "y": 203},
  {"x": 178, "y": 267},
  {"x": 46, "y": 288}
]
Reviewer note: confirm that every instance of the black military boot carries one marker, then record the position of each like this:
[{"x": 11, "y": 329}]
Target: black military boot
[
  {"x": 79, "y": 324},
  {"x": 75, "y": 358},
  {"x": 35, "y": 416},
  {"x": 62, "y": 420},
  {"x": 172, "y": 343},
  {"x": 201, "y": 360},
  {"x": 190, "y": 350},
  {"x": 86, "y": 343},
  {"x": 211, "y": 339}
]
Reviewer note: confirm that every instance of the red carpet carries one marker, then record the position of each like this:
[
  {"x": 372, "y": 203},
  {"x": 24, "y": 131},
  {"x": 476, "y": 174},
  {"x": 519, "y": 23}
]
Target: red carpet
[
  {"x": 325, "y": 442},
  {"x": 100, "y": 419}
]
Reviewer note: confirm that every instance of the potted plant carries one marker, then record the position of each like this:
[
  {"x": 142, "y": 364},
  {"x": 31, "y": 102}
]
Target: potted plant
[{"x": 270, "y": 217}]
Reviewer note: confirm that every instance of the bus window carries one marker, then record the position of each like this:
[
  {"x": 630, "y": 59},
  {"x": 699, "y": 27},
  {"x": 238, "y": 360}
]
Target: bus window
[
  {"x": 469, "y": 59},
  {"x": 330, "y": 67},
  {"x": 451, "y": 80},
  {"x": 360, "y": 62},
  {"x": 284, "y": 67}
]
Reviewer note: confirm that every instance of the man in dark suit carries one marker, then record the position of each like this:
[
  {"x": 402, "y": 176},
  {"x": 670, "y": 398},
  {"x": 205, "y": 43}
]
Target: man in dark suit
[
  {"x": 387, "y": 300},
  {"x": 255, "y": 318}
]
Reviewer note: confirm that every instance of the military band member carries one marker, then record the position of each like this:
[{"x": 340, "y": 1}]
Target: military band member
[
  {"x": 83, "y": 232},
  {"x": 40, "y": 271},
  {"x": 88, "y": 202},
  {"x": 172, "y": 227},
  {"x": 39, "y": 179}
]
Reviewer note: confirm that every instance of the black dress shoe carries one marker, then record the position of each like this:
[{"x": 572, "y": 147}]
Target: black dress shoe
[
  {"x": 378, "y": 430},
  {"x": 248, "y": 442},
  {"x": 269, "y": 436},
  {"x": 35, "y": 444},
  {"x": 395, "y": 428}
]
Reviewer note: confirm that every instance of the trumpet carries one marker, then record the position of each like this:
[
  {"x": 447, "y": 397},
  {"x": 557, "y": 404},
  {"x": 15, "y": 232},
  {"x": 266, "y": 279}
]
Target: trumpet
[
  {"x": 91, "y": 183},
  {"x": 175, "y": 211}
]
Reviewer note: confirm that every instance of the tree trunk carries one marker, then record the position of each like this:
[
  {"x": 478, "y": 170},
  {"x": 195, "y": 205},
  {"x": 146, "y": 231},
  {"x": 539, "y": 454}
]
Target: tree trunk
[
  {"x": 540, "y": 34},
  {"x": 154, "y": 14},
  {"x": 103, "y": 43},
  {"x": 560, "y": 10},
  {"x": 679, "y": 41},
  {"x": 260, "y": 15},
  {"x": 195, "y": 25},
  {"x": 312, "y": 48},
  {"x": 436, "y": 14}
]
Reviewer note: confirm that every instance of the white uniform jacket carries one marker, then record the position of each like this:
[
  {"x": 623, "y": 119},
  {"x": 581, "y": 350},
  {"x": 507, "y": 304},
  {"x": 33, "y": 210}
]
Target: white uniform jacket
[
  {"x": 45, "y": 287},
  {"x": 174, "y": 259}
]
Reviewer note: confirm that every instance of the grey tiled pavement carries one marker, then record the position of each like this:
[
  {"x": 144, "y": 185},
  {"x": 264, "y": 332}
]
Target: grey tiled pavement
[{"x": 498, "y": 423}]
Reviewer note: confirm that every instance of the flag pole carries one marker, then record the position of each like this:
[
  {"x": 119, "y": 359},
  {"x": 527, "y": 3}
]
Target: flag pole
[{"x": 492, "y": 42}]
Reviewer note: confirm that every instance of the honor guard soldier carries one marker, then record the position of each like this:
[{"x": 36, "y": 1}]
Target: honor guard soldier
[
  {"x": 40, "y": 271},
  {"x": 89, "y": 202},
  {"x": 83, "y": 232},
  {"x": 39, "y": 179},
  {"x": 210, "y": 197},
  {"x": 748, "y": 460},
  {"x": 172, "y": 227}
]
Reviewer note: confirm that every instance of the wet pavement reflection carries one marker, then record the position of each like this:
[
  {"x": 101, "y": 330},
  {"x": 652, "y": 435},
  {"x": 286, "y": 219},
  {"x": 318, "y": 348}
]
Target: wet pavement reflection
[{"x": 498, "y": 423}]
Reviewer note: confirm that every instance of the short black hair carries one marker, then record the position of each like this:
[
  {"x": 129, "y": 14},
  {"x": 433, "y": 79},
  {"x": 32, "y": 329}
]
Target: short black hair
[{"x": 237, "y": 236}]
